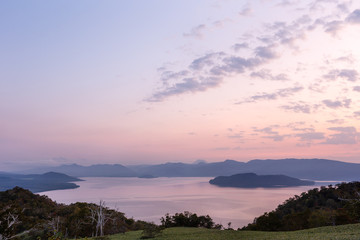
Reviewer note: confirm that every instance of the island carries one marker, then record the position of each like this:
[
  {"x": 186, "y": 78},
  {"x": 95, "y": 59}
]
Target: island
[
  {"x": 38, "y": 182},
  {"x": 252, "y": 180}
]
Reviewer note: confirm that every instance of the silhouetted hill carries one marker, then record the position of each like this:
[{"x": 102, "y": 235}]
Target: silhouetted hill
[
  {"x": 327, "y": 206},
  {"x": 314, "y": 169},
  {"x": 38, "y": 217},
  {"x": 98, "y": 170},
  {"x": 38, "y": 183},
  {"x": 251, "y": 180},
  {"x": 200, "y": 169}
]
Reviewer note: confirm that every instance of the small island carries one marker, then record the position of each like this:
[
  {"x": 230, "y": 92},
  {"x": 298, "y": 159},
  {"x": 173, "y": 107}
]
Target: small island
[
  {"x": 38, "y": 182},
  {"x": 252, "y": 180}
]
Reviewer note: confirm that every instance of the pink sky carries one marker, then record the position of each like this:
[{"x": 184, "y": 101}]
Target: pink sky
[{"x": 137, "y": 82}]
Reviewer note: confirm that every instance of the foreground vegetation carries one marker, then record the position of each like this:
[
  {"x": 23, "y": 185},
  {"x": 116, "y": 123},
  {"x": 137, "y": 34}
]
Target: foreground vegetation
[
  {"x": 27, "y": 216},
  {"x": 327, "y": 206},
  {"x": 344, "y": 232},
  {"x": 24, "y": 215}
]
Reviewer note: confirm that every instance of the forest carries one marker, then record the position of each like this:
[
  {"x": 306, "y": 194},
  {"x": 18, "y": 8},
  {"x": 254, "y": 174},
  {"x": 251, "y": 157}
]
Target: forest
[{"x": 327, "y": 206}]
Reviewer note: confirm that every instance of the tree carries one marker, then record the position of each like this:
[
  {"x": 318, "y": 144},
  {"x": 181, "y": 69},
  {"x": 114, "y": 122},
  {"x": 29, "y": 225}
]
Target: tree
[
  {"x": 99, "y": 216},
  {"x": 7, "y": 224}
]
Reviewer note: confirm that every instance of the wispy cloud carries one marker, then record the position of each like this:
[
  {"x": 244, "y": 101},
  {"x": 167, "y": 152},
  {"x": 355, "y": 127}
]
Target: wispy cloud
[
  {"x": 356, "y": 88},
  {"x": 310, "y": 136},
  {"x": 337, "y": 103},
  {"x": 284, "y": 92},
  {"x": 299, "y": 107},
  {"x": 266, "y": 74},
  {"x": 354, "y": 17},
  {"x": 344, "y": 135},
  {"x": 245, "y": 12},
  {"x": 239, "y": 46},
  {"x": 348, "y": 74},
  {"x": 187, "y": 85},
  {"x": 336, "y": 121},
  {"x": 196, "y": 32}
]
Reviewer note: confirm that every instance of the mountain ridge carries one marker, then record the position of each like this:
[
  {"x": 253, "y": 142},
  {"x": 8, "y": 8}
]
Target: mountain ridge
[{"x": 314, "y": 169}]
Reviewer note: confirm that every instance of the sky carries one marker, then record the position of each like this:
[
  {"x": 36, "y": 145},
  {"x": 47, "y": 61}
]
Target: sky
[{"x": 144, "y": 82}]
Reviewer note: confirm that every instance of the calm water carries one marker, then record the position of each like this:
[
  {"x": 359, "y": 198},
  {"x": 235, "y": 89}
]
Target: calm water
[{"x": 150, "y": 199}]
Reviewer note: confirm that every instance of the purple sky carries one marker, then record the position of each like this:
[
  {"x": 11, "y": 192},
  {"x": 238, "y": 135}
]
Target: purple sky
[{"x": 161, "y": 81}]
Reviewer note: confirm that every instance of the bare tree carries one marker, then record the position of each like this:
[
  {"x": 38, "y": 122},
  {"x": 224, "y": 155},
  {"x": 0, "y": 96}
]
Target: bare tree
[
  {"x": 99, "y": 216},
  {"x": 9, "y": 221},
  {"x": 55, "y": 225}
]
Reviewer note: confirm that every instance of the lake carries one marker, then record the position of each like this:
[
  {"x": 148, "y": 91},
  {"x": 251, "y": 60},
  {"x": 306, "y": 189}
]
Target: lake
[{"x": 151, "y": 199}]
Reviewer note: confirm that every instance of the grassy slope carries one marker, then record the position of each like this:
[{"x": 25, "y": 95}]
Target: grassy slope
[{"x": 344, "y": 232}]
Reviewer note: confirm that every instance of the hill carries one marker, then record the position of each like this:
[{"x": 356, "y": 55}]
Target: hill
[
  {"x": 332, "y": 205},
  {"x": 98, "y": 170},
  {"x": 38, "y": 182},
  {"x": 314, "y": 169},
  {"x": 251, "y": 180},
  {"x": 24, "y": 215}
]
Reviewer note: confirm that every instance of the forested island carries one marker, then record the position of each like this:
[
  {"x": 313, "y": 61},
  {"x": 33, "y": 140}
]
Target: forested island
[
  {"x": 252, "y": 180},
  {"x": 38, "y": 182}
]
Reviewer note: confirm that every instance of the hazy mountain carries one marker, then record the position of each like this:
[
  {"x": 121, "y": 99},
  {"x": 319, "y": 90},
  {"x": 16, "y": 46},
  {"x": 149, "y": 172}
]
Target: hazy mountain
[
  {"x": 98, "y": 170},
  {"x": 201, "y": 169},
  {"x": 251, "y": 180},
  {"x": 37, "y": 183},
  {"x": 314, "y": 169}
]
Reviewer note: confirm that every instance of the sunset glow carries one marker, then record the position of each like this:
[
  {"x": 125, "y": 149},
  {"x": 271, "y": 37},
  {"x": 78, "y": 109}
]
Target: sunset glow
[{"x": 133, "y": 82}]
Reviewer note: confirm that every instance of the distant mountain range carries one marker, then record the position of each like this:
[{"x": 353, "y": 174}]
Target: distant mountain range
[
  {"x": 252, "y": 180},
  {"x": 314, "y": 169},
  {"x": 98, "y": 170},
  {"x": 37, "y": 182}
]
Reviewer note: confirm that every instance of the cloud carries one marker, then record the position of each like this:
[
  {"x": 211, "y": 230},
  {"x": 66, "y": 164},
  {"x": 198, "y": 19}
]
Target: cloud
[
  {"x": 286, "y": 34},
  {"x": 354, "y": 17},
  {"x": 203, "y": 73},
  {"x": 337, "y": 104},
  {"x": 344, "y": 135},
  {"x": 271, "y": 134},
  {"x": 196, "y": 32},
  {"x": 239, "y": 46},
  {"x": 348, "y": 74},
  {"x": 333, "y": 27},
  {"x": 285, "y": 92},
  {"x": 299, "y": 107},
  {"x": 357, "y": 114},
  {"x": 169, "y": 75},
  {"x": 265, "y": 52},
  {"x": 245, "y": 12},
  {"x": 277, "y": 138},
  {"x": 356, "y": 88},
  {"x": 343, "y": 7},
  {"x": 206, "y": 60},
  {"x": 287, "y": 3},
  {"x": 267, "y": 75},
  {"x": 267, "y": 130},
  {"x": 309, "y": 136},
  {"x": 239, "y": 135},
  {"x": 349, "y": 59},
  {"x": 336, "y": 121},
  {"x": 188, "y": 85}
]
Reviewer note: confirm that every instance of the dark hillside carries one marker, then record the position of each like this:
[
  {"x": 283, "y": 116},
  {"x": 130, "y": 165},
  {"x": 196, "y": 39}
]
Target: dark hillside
[
  {"x": 251, "y": 180},
  {"x": 318, "y": 207},
  {"x": 38, "y": 183},
  {"x": 36, "y": 216}
]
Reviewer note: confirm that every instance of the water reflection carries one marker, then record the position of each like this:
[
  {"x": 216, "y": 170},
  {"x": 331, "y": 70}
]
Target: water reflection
[{"x": 150, "y": 199}]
